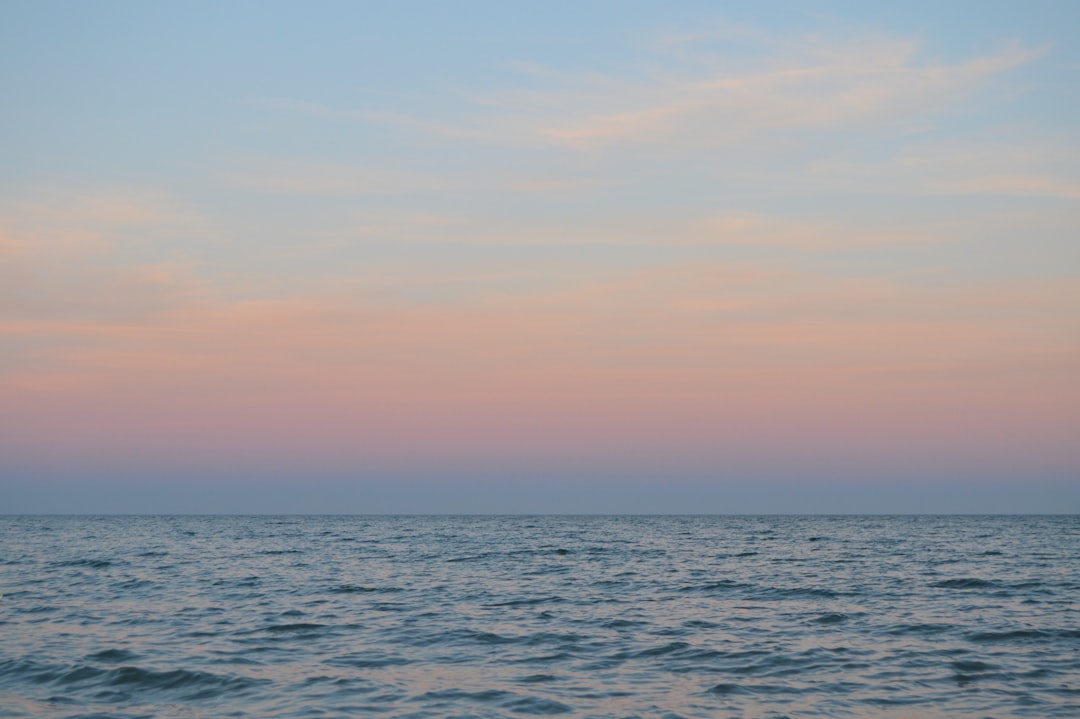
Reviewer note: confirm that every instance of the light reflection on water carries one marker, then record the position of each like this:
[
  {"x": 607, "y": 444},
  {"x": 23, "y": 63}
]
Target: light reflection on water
[{"x": 517, "y": 616}]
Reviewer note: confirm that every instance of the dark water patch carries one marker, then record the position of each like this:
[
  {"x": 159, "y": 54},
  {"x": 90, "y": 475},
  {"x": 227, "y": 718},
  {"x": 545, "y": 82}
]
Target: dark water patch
[
  {"x": 361, "y": 589},
  {"x": 191, "y": 685},
  {"x": 295, "y": 627},
  {"x": 723, "y": 585},
  {"x": 725, "y": 689},
  {"x": 920, "y": 628},
  {"x": 831, "y": 618},
  {"x": 662, "y": 650},
  {"x": 369, "y": 660},
  {"x": 473, "y": 636},
  {"x": 113, "y": 656},
  {"x": 1024, "y": 635},
  {"x": 87, "y": 563},
  {"x": 238, "y": 659},
  {"x": 965, "y": 583},
  {"x": 545, "y": 659},
  {"x": 528, "y": 602},
  {"x": 796, "y": 593},
  {"x": 449, "y": 697},
  {"x": 538, "y": 679},
  {"x": 186, "y": 684},
  {"x": 973, "y": 665},
  {"x": 538, "y": 706},
  {"x": 245, "y": 582},
  {"x": 622, "y": 623}
]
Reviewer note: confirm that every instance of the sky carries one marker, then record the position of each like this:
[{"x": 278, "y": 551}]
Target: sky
[{"x": 539, "y": 257}]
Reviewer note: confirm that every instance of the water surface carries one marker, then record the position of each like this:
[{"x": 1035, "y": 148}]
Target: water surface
[{"x": 522, "y": 616}]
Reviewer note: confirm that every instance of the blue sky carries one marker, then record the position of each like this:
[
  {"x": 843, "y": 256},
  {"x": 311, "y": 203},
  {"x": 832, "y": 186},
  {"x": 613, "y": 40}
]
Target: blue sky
[{"x": 623, "y": 247}]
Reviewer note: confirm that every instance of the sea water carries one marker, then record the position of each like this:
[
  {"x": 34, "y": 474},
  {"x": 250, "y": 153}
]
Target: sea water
[{"x": 440, "y": 616}]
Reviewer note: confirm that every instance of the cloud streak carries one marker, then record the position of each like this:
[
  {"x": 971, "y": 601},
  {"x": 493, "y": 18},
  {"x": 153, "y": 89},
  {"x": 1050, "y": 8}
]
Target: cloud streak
[{"x": 817, "y": 84}]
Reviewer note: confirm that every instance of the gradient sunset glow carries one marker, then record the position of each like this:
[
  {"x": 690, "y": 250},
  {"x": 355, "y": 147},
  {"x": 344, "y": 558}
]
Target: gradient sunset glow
[{"x": 470, "y": 257}]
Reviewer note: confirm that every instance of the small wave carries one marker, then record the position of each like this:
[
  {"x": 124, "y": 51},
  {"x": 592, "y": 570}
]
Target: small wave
[
  {"x": 39, "y": 609},
  {"x": 113, "y": 656},
  {"x": 662, "y": 650},
  {"x": 528, "y": 602},
  {"x": 360, "y": 589},
  {"x": 727, "y": 689},
  {"x": 972, "y": 665},
  {"x": 89, "y": 563},
  {"x": 538, "y": 679},
  {"x": 964, "y": 583},
  {"x": 369, "y": 660},
  {"x": 186, "y": 684},
  {"x": 920, "y": 628},
  {"x": 1023, "y": 634},
  {"x": 251, "y": 581},
  {"x": 469, "y": 558},
  {"x": 464, "y": 636},
  {"x": 833, "y": 618},
  {"x": 798, "y": 593},
  {"x": 723, "y": 584},
  {"x": 538, "y": 706},
  {"x": 295, "y": 627},
  {"x": 198, "y": 685},
  {"x": 486, "y": 696}
]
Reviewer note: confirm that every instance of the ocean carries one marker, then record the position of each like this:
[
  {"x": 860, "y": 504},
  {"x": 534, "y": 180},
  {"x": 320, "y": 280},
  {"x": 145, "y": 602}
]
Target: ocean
[{"x": 517, "y": 616}]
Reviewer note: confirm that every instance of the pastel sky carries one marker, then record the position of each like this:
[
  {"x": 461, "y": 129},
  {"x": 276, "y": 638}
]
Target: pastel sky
[{"x": 535, "y": 257}]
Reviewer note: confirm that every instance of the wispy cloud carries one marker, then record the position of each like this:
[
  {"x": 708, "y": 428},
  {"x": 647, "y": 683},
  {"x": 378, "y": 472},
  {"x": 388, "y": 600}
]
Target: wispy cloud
[
  {"x": 698, "y": 99},
  {"x": 1032, "y": 167},
  {"x": 818, "y": 88},
  {"x": 92, "y": 217},
  {"x": 112, "y": 254},
  {"x": 1012, "y": 185}
]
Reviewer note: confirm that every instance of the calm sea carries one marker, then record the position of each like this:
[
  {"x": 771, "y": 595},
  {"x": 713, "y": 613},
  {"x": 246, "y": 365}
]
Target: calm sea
[{"x": 435, "y": 616}]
